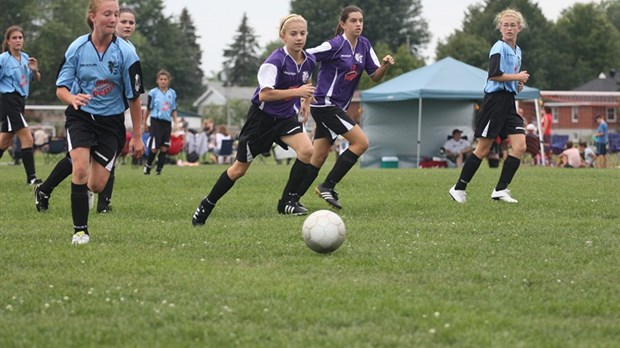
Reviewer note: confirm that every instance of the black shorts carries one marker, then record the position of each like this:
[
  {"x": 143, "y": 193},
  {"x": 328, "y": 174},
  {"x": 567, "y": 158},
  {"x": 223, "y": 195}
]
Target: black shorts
[
  {"x": 103, "y": 135},
  {"x": 498, "y": 117},
  {"x": 601, "y": 148},
  {"x": 331, "y": 121},
  {"x": 261, "y": 130},
  {"x": 12, "y": 106},
  {"x": 160, "y": 134}
]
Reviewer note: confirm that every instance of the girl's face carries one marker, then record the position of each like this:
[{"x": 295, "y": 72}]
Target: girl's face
[
  {"x": 126, "y": 25},
  {"x": 104, "y": 20},
  {"x": 294, "y": 36},
  {"x": 16, "y": 40},
  {"x": 163, "y": 81},
  {"x": 509, "y": 27},
  {"x": 354, "y": 25}
]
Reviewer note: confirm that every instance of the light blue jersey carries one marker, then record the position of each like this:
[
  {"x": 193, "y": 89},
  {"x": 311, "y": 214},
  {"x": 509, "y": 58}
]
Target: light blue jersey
[
  {"x": 162, "y": 104},
  {"x": 604, "y": 130},
  {"x": 503, "y": 59},
  {"x": 111, "y": 77},
  {"x": 15, "y": 76}
]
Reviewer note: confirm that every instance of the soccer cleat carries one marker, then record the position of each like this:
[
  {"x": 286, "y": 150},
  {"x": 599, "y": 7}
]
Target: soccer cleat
[
  {"x": 458, "y": 195},
  {"x": 503, "y": 195},
  {"x": 158, "y": 172},
  {"x": 91, "y": 200},
  {"x": 34, "y": 181},
  {"x": 80, "y": 237},
  {"x": 147, "y": 170},
  {"x": 201, "y": 214},
  {"x": 291, "y": 208},
  {"x": 103, "y": 210},
  {"x": 328, "y": 195},
  {"x": 41, "y": 200}
]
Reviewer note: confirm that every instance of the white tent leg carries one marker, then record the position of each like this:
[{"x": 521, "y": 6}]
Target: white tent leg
[
  {"x": 540, "y": 135},
  {"x": 419, "y": 130}
]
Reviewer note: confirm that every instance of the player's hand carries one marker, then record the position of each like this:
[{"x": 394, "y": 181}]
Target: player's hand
[
  {"x": 80, "y": 100},
  {"x": 136, "y": 147},
  {"x": 33, "y": 64},
  {"x": 305, "y": 91},
  {"x": 523, "y": 76},
  {"x": 387, "y": 61}
]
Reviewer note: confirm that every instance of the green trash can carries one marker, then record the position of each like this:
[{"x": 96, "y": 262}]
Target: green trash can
[{"x": 389, "y": 162}]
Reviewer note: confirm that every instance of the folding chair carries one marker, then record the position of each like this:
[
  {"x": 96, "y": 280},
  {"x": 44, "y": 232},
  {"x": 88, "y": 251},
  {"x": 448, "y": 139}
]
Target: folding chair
[
  {"x": 613, "y": 148},
  {"x": 225, "y": 152},
  {"x": 56, "y": 147}
]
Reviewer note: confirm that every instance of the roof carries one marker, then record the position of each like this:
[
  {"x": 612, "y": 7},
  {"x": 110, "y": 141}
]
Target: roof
[
  {"x": 603, "y": 83},
  {"x": 217, "y": 94},
  {"x": 445, "y": 79}
]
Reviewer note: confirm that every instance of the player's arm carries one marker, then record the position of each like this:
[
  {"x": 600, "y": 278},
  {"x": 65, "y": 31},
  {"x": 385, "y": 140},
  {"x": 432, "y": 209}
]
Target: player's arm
[
  {"x": 386, "y": 63},
  {"x": 75, "y": 100},
  {"x": 174, "y": 119},
  {"x": 271, "y": 94},
  {"x": 135, "y": 144},
  {"x": 497, "y": 75},
  {"x": 148, "y": 112}
]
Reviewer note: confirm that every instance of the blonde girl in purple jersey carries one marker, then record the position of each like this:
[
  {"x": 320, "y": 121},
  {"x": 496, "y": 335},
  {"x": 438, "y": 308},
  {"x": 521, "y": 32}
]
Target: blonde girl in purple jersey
[
  {"x": 343, "y": 60},
  {"x": 284, "y": 78}
]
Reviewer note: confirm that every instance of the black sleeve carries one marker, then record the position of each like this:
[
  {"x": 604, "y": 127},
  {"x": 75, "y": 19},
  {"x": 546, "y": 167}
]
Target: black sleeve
[
  {"x": 135, "y": 77},
  {"x": 148, "y": 103},
  {"x": 494, "y": 66}
]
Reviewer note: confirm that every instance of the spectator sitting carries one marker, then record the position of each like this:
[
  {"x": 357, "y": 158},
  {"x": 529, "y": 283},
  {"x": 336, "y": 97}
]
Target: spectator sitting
[
  {"x": 532, "y": 143},
  {"x": 222, "y": 134},
  {"x": 457, "y": 149},
  {"x": 40, "y": 139},
  {"x": 570, "y": 158},
  {"x": 588, "y": 157}
]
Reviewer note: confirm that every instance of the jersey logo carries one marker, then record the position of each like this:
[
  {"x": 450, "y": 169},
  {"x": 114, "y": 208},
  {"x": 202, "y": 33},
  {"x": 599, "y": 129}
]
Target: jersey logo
[
  {"x": 358, "y": 58},
  {"x": 113, "y": 67},
  {"x": 138, "y": 83},
  {"x": 352, "y": 74},
  {"x": 305, "y": 76}
]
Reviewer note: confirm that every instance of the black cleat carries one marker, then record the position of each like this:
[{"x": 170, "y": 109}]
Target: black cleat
[
  {"x": 201, "y": 214},
  {"x": 328, "y": 195},
  {"x": 41, "y": 200},
  {"x": 291, "y": 208},
  {"x": 147, "y": 170},
  {"x": 34, "y": 181},
  {"x": 104, "y": 210}
]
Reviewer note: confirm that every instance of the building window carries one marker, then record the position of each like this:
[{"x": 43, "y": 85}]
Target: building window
[
  {"x": 555, "y": 115},
  {"x": 611, "y": 114},
  {"x": 575, "y": 114}
]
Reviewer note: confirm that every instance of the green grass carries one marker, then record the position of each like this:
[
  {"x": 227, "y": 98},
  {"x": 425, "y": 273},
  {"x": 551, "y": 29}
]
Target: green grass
[{"x": 416, "y": 270}]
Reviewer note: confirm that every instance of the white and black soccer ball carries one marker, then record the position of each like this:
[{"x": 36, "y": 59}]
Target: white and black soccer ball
[{"x": 323, "y": 231}]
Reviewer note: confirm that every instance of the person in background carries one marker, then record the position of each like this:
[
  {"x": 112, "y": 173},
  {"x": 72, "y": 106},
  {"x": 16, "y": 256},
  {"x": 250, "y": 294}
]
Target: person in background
[
  {"x": 498, "y": 115},
  {"x": 457, "y": 149},
  {"x": 125, "y": 27},
  {"x": 570, "y": 158},
  {"x": 17, "y": 70},
  {"x": 588, "y": 157},
  {"x": 162, "y": 108},
  {"x": 601, "y": 139},
  {"x": 222, "y": 134},
  {"x": 545, "y": 124},
  {"x": 40, "y": 139}
]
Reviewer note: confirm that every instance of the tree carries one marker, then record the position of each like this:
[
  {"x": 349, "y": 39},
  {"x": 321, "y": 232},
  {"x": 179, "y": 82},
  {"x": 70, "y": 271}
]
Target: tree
[
  {"x": 404, "y": 62},
  {"x": 381, "y": 24},
  {"x": 192, "y": 86},
  {"x": 18, "y": 12},
  {"x": 612, "y": 10},
  {"x": 242, "y": 57}
]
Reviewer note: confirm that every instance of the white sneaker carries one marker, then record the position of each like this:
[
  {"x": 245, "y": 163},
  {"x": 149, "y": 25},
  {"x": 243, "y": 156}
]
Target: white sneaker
[
  {"x": 80, "y": 238},
  {"x": 458, "y": 195},
  {"x": 503, "y": 195},
  {"x": 91, "y": 200}
]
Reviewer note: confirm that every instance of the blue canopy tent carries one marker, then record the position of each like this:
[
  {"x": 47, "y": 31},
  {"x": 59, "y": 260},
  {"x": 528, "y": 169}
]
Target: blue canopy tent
[{"x": 449, "y": 88}]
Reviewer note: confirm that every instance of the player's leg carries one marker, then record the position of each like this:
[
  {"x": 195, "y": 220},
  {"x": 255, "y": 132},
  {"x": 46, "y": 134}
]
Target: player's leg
[
  {"x": 80, "y": 158},
  {"x": 161, "y": 159},
  {"x": 43, "y": 192},
  {"x": 105, "y": 196},
  {"x": 289, "y": 203}
]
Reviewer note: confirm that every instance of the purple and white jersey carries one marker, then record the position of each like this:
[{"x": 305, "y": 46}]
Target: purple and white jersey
[
  {"x": 280, "y": 71},
  {"x": 341, "y": 69}
]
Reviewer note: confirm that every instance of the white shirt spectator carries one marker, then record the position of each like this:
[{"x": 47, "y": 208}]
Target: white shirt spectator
[{"x": 453, "y": 146}]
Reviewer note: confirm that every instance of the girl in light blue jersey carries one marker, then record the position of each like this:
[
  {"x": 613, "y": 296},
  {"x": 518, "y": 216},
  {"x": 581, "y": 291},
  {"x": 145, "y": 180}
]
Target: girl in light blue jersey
[
  {"x": 498, "y": 115},
  {"x": 17, "y": 69},
  {"x": 108, "y": 75}
]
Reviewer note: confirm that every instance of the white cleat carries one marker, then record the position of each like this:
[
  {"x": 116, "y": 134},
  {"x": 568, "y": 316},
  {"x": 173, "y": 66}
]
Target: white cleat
[
  {"x": 80, "y": 238},
  {"x": 458, "y": 195},
  {"x": 91, "y": 200},
  {"x": 503, "y": 195}
]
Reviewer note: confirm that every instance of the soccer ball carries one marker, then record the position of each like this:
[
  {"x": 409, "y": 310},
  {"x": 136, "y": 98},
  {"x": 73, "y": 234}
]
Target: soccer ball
[{"x": 323, "y": 231}]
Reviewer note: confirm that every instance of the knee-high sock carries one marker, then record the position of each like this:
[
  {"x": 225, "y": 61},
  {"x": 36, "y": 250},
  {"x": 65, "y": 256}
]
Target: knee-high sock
[
  {"x": 307, "y": 181},
  {"x": 61, "y": 171},
  {"x": 105, "y": 196},
  {"x": 150, "y": 158},
  {"x": 1, "y": 153},
  {"x": 471, "y": 165},
  {"x": 161, "y": 160},
  {"x": 296, "y": 176},
  {"x": 28, "y": 158},
  {"x": 511, "y": 164},
  {"x": 222, "y": 185},
  {"x": 344, "y": 163},
  {"x": 79, "y": 207}
]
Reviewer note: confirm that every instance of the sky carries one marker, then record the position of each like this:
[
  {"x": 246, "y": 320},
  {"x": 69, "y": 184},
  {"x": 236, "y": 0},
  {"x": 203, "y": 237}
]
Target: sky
[{"x": 217, "y": 21}]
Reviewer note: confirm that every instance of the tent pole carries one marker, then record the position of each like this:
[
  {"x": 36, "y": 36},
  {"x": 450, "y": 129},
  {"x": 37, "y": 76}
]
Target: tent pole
[
  {"x": 540, "y": 134},
  {"x": 419, "y": 130}
]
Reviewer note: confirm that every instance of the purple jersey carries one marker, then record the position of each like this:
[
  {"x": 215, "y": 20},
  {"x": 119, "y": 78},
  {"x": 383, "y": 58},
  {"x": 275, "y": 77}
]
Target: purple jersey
[
  {"x": 280, "y": 71},
  {"x": 341, "y": 69}
]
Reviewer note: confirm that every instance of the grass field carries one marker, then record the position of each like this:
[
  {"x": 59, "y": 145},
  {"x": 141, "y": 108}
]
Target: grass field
[{"x": 416, "y": 270}]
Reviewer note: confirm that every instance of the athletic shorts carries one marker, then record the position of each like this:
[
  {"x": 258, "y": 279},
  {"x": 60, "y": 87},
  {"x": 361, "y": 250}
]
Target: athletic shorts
[
  {"x": 601, "y": 149},
  {"x": 103, "y": 135},
  {"x": 261, "y": 130},
  {"x": 331, "y": 121},
  {"x": 498, "y": 117},
  {"x": 160, "y": 134},
  {"x": 12, "y": 107}
]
